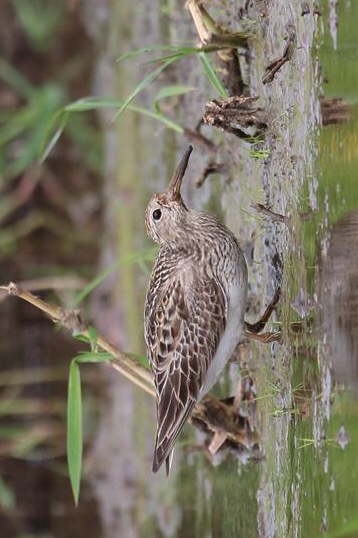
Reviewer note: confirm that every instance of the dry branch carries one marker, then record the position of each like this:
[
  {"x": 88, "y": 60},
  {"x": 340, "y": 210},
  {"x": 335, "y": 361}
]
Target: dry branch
[
  {"x": 276, "y": 64},
  {"x": 73, "y": 321},
  {"x": 211, "y": 414}
]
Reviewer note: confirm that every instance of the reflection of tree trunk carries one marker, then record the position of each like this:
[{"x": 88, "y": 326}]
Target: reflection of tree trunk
[
  {"x": 339, "y": 299},
  {"x": 334, "y": 110}
]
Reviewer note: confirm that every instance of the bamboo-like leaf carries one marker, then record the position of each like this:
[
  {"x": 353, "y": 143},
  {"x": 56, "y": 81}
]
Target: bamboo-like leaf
[
  {"x": 74, "y": 429},
  {"x": 90, "y": 356},
  {"x": 92, "y": 333},
  {"x": 93, "y": 103},
  {"x": 159, "y": 117},
  {"x": 175, "y": 89},
  {"x": 56, "y": 126},
  {"x": 145, "y": 82},
  {"x": 212, "y": 75},
  {"x": 178, "y": 49},
  {"x": 174, "y": 55},
  {"x": 175, "y": 50},
  {"x": 171, "y": 91}
]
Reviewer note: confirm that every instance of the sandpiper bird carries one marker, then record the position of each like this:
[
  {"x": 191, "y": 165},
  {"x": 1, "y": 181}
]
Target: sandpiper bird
[{"x": 194, "y": 310}]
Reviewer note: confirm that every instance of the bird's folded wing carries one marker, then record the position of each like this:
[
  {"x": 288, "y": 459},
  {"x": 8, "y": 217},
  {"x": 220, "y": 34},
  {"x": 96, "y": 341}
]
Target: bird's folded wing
[{"x": 182, "y": 333}]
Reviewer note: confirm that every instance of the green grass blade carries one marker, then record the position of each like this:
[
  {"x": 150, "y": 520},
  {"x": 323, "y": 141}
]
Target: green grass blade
[
  {"x": 174, "y": 49},
  {"x": 212, "y": 75},
  {"x": 159, "y": 117},
  {"x": 93, "y": 103},
  {"x": 90, "y": 356},
  {"x": 92, "y": 333},
  {"x": 61, "y": 119},
  {"x": 156, "y": 48},
  {"x": 173, "y": 90},
  {"x": 170, "y": 91},
  {"x": 145, "y": 82},
  {"x": 174, "y": 55},
  {"x": 74, "y": 429}
]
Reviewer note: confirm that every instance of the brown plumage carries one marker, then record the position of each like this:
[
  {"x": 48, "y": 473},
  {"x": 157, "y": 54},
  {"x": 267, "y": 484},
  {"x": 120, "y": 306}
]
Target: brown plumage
[{"x": 194, "y": 307}]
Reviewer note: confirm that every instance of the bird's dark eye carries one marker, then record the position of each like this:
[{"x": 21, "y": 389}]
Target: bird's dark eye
[{"x": 157, "y": 213}]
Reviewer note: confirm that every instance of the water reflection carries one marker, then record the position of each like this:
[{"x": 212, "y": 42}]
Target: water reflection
[{"x": 339, "y": 299}]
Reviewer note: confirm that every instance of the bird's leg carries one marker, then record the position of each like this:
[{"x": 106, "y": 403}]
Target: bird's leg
[
  {"x": 210, "y": 32},
  {"x": 253, "y": 329},
  {"x": 265, "y": 338}
]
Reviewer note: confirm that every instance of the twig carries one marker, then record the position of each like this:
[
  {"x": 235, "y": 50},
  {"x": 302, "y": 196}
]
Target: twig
[
  {"x": 53, "y": 283},
  {"x": 276, "y": 217},
  {"x": 276, "y": 64},
  {"x": 210, "y": 412},
  {"x": 199, "y": 138},
  {"x": 265, "y": 338},
  {"x": 212, "y": 168},
  {"x": 72, "y": 320}
]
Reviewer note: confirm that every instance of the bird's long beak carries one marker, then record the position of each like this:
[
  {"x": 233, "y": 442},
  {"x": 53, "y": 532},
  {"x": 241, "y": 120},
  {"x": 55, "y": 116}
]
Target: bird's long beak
[{"x": 175, "y": 182}]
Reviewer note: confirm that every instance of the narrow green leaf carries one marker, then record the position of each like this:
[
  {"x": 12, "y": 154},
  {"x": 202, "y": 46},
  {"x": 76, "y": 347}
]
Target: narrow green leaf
[
  {"x": 212, "y": 75},
  {"x": 155, "y": 48},
  {"x": 145, "y": 82},
  {"x": 174, "y": 55},
  {"x": 171, "y": 91},
  {"x": 93, "y": 103},
  {"x": 81, "y": 337},
  {"x": 56, "y": 126},
  {"x": 90, "y": 356},
  {"x": 159, "y": 117},
  {"x": 74, "y": 429},
  {"x": 175, "y": 89},
  {"x": 92, "y": 333},
  {"x": 175, "y": 51}
]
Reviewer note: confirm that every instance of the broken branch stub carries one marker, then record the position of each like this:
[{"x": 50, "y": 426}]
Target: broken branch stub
[{"x": 236, "y": 115}]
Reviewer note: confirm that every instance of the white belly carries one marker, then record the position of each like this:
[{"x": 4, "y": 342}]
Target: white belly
[{"x": 231, "y": 336}]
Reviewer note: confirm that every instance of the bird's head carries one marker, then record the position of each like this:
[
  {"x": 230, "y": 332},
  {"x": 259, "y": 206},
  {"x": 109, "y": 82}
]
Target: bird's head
[{"x": 166, "y": 213}]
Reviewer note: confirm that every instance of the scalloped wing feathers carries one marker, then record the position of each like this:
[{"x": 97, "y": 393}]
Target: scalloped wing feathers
[{"x": 185, "y": 318}]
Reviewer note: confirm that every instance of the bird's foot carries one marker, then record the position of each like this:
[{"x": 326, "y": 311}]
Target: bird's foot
[{"x": 265, "y": 338}]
